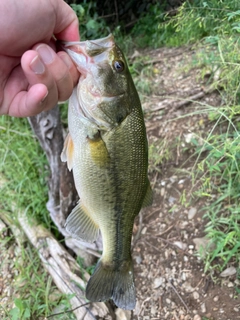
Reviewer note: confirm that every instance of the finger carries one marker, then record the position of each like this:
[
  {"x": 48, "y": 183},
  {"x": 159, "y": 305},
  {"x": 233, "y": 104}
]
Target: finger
[
  {"x": 19, "y": 102},
  {"x": 66, "y": 26},
  {"x": 29, "y": 103},
  {"x": 71, "y": 66},
  {"x": 37, "y": 72},
  {"x": 59, "y": 69}
]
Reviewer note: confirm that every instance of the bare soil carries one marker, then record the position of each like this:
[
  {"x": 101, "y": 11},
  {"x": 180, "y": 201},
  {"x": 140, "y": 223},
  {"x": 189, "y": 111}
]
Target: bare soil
[{"x": 170, "y": 278}]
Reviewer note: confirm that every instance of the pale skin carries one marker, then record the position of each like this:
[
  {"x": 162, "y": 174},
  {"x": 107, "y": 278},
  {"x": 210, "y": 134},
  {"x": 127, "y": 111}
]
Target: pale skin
[{"x": 33, "y": 76}]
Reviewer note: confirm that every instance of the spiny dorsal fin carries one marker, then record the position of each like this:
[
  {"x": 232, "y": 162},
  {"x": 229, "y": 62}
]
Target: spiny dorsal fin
[
  {"x": 148, "y": 197},
  {"x": 80, "y": 225},
  {"x": 67, "y": 153}
]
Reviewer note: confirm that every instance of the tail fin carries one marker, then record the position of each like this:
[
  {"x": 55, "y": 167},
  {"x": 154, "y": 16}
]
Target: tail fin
[{"x": 106, "y": 283}]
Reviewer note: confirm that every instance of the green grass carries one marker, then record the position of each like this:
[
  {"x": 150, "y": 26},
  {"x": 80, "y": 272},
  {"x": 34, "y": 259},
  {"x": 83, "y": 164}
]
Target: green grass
[
  {"x": 24, "y": 165},
  {"x": 219, "y": 172},
  {"x": 34, "y": 294},
  {"x": 24, "y": 169}
]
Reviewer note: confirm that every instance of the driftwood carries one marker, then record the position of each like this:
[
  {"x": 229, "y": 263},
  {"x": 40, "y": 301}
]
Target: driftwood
[
  {"x": 62, "y": 193},
  {"x": 64, "y": 270}
]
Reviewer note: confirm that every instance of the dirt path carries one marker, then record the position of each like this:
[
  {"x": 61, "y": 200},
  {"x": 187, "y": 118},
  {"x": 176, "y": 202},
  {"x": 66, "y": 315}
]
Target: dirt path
[{"x": 170, "y": 278}]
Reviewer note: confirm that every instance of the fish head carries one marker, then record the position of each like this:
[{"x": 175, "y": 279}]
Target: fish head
[{"x": 105, "y": 80}]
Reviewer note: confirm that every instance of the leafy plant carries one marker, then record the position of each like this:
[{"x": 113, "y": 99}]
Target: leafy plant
[
  {"x": 21, "y": 311},
  {"x": 220, "y": 170},
  {"x": 90, "y": 24}
]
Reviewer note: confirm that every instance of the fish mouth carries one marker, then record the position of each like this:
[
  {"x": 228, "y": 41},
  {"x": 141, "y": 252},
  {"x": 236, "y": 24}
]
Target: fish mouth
[
  {"x": 88, "y": 52},
  {"x": 90, "y": 47}
]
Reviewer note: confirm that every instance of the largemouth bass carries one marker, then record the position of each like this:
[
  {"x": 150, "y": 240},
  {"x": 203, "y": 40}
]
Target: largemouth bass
[{"x": 108, "y": 152}]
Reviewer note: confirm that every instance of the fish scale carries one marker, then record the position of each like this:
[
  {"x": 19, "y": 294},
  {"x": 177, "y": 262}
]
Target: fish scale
[{"x": 107, "y": 150}]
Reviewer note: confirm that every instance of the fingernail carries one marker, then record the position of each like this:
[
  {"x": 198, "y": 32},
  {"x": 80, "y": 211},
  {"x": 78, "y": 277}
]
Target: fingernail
[
  {"x": 46, "y": 54},
  {"x": 67, "y": 60},
  {"x": 37, "y": 66},
  {"x": 44, "y": 98}
]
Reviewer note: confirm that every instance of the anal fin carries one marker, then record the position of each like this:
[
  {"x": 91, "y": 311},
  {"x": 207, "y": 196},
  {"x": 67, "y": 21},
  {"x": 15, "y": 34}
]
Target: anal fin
[{"x": 80, "y": 224}]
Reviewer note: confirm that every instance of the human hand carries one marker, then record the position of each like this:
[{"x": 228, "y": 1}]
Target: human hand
[{"x": 33, "y": 76}]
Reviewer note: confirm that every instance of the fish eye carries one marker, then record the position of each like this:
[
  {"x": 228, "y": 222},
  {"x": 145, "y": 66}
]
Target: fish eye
[{"x": 118, "y": 65}]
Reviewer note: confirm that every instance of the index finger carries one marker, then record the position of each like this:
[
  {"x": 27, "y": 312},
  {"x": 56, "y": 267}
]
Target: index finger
[{"x": 67, "y": 26}]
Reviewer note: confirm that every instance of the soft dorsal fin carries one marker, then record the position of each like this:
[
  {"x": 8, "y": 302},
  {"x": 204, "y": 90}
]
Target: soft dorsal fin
[
  {"x": 80, "y": 224},
  {"x": 148, "y": 199},
  {"x": 67, "y": 153}
]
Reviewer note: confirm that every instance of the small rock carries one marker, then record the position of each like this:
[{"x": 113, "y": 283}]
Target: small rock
[
  {"x": 197, "y": 317},
  {"x": 216, "y": 298},
  {"x": 236, "y": 309},
  {"x": 203, "y": 307},
  {"x": 153, "y": 309},
  {"x": 173, "y": 179},
  {"x": 171, "y": 200},
  {"x": 162, "y": 192},
  {"x": 191, "y": 213},
  {"x": 144, "y": 230},
  {"x": 138, "y": 259},
  {"x": 181, "y": 181},
  {"x": 195, "y": 295},
  {"x": 180, "y": 245},
  {"x": 187, "y": 286},
  {"x": 168, "y": 301},
  {"x": 228, "y": 272},
  {"x": 157, "y": 282},
  {"x": 123, "y": 314},
  {"x": 183, "y": 224},
  {"x": 188, "y": 137},
  {"x": 202, "y": 244},
  {"x": 230, "y": 284}
]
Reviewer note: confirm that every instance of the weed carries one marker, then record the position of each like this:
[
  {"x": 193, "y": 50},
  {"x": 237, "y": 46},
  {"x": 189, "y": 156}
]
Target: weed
[
  {"x": 220, "y": 182},
  {"x": 90, "y": 24},
  {"x": 24, "y": 165}
]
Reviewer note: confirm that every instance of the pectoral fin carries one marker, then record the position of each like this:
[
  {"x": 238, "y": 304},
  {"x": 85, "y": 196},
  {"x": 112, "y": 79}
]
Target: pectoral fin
[
  {"x": 148, "y": 197},
  {"x": 99, "y": 152},
  {"x": 67, "y": 153},
  {"x": 80, "y": 224}
]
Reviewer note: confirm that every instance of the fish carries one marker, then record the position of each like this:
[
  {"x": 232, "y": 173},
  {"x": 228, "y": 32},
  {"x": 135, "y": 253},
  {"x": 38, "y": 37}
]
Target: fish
[{"x": 107, "y": 149}]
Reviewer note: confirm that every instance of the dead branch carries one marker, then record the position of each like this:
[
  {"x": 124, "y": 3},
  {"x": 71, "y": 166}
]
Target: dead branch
[
  {"x": 170, "y": 103},
  {"x": 63, "y": 269}
]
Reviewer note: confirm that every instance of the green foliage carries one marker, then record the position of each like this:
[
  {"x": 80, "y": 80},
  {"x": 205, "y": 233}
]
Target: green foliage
[
  {"x": 23, "y": 164},
  {"x": 29, "y": 302},
  {"x": 193, "y": 21},
  {"x": 220, "y": 176},
  {"x": 21, "y": 311},
  {"x": 146, "y": 30},
  {"x": 91, "y": 26}
]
